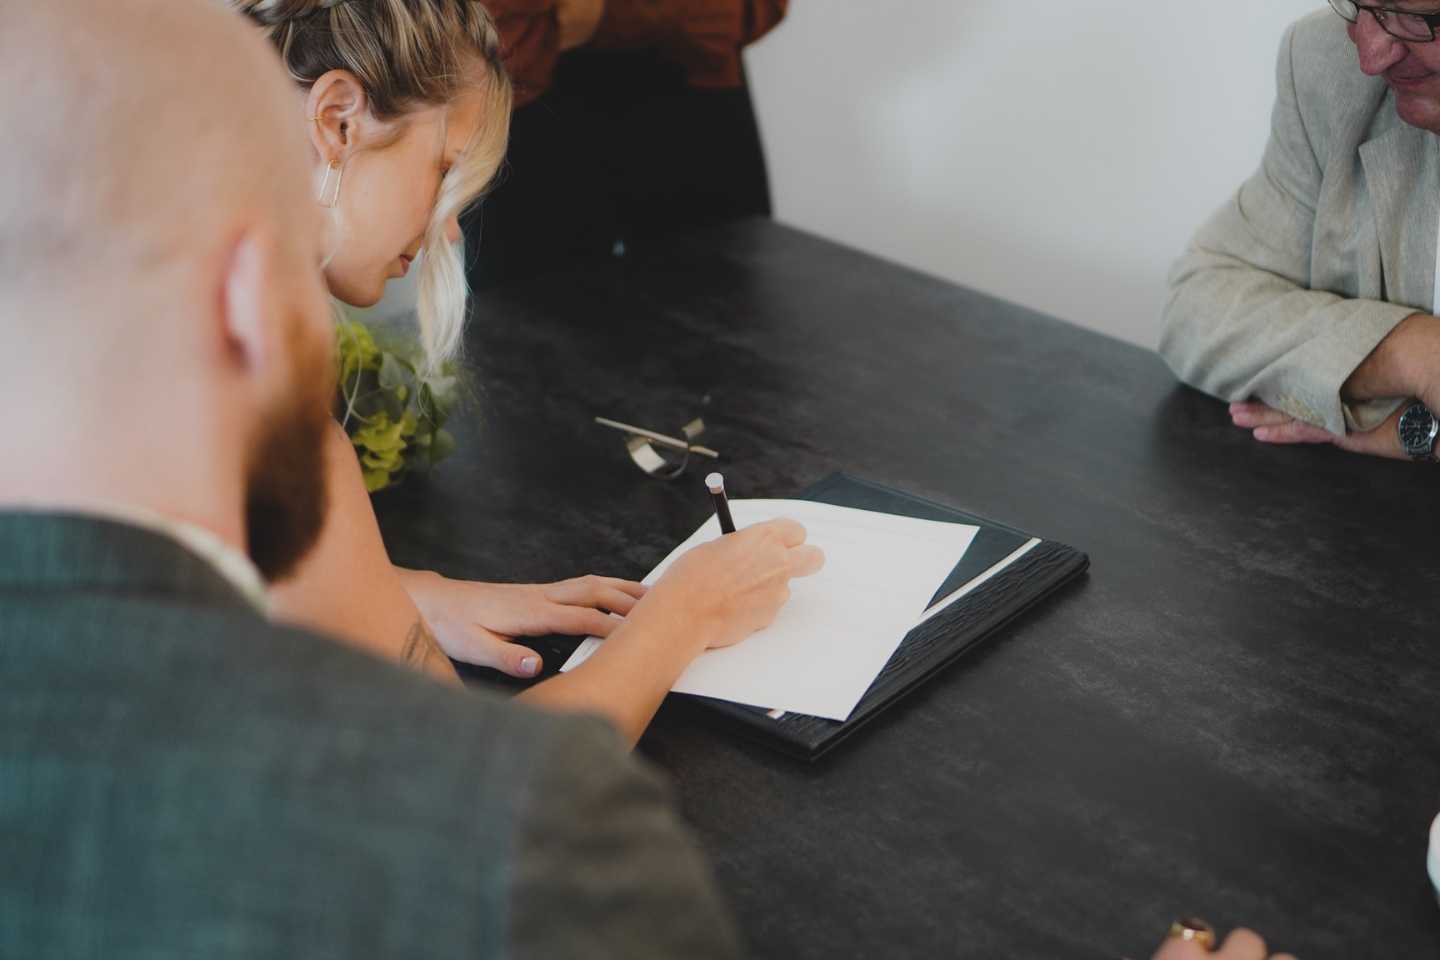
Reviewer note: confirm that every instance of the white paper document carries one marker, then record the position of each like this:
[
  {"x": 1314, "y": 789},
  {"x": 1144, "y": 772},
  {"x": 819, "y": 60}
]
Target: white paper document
[{"x": 840, "y": 627}]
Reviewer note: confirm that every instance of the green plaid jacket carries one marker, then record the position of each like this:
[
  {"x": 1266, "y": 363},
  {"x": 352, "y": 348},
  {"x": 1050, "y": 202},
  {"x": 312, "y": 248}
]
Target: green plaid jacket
[{"x": 181, "y": 779}]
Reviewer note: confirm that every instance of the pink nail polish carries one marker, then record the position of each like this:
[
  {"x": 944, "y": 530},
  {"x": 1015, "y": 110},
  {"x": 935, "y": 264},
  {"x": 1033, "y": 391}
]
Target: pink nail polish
[{"x": 529, "y": 665}]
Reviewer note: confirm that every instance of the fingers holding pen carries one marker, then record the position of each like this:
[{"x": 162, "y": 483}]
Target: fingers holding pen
[
  {"x": 743, "y": 577},
  {"x": 806, "y": 560},
  {"x": 790, "y": 533},
  {"x": 739, "y": 582},
  {"x": 803, "y": 559}
]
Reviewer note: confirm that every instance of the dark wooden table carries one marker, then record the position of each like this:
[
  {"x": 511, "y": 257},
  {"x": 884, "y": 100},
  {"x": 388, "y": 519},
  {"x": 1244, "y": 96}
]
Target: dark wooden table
[{"x": 1234, "y": 714}]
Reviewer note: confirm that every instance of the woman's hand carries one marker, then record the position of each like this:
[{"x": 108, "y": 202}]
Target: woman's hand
[
  {"x": 478, "y": 622},
  {"x": 733, "y": 586},
  {"x": 714, "y": 595}
]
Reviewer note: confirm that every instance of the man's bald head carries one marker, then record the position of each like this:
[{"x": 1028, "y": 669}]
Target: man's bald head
[
  {"x": 162, "y": 308},
  {"x": 140, "y": 136}
]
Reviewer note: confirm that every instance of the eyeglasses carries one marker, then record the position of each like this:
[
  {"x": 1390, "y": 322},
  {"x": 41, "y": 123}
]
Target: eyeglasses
[{"x": 1415, "y": 27}]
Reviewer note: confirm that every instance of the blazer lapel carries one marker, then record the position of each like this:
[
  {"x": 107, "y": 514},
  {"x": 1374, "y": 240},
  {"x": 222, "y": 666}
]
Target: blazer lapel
[{"x": 1402, "y": 174}]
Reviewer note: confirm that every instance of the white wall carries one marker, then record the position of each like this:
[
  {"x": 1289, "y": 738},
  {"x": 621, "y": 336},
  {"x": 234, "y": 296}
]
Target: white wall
[{"x": 1057, "y": 154}]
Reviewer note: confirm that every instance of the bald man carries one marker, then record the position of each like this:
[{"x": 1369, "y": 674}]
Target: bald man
[{"x": 179, "y": 777}]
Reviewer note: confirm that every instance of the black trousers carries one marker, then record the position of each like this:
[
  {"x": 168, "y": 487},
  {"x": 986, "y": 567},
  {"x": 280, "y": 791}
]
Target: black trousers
[{"x": 618, "y": 152}]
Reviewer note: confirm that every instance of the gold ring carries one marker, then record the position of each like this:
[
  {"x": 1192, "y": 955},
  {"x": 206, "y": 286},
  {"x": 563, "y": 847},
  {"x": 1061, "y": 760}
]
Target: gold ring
[{"x": 1195, "y": 930}]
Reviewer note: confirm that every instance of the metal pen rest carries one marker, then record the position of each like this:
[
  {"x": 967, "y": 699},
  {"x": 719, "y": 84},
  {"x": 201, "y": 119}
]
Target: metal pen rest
[{"x": 642, "y": 446}]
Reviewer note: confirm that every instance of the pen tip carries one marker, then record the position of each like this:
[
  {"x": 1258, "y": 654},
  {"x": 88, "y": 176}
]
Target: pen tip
[{"x": 716, "y": 483}]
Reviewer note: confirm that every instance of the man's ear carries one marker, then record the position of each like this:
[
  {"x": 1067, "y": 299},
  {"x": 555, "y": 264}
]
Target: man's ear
[
  {"x": 339, "y": 116},
  {"x": 251, "y": 313}
]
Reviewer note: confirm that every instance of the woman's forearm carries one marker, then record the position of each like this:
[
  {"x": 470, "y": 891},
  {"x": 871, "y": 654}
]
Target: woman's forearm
[
  {"x": 346, "y": 587},
  {"x": 627, "y": 678}
]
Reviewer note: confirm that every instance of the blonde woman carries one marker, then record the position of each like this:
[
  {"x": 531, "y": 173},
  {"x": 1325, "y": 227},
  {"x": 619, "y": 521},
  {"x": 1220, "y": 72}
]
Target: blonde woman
[{"x": 407, "y": 105}]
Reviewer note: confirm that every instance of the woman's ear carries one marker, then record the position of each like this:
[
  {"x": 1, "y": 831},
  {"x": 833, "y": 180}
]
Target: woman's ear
[{"x": 339, "y": 116}]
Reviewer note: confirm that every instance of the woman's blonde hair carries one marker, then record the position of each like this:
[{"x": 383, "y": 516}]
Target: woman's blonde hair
[{"x": 409, "y": 54}]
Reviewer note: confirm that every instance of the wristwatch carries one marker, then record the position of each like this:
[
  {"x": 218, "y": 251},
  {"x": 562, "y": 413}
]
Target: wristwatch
[{"x": 1418, "y": 430}]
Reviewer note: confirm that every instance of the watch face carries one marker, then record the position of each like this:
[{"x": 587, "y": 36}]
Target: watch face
[{"x": 1417, "y": 431}]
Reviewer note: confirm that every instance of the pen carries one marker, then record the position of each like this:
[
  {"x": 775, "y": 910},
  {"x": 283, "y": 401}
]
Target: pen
[{"x": 716, "y": 483}]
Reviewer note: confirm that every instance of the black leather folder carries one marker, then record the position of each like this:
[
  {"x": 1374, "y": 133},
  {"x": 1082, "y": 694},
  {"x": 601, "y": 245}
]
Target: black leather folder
[{"x": 935, "y": 643}]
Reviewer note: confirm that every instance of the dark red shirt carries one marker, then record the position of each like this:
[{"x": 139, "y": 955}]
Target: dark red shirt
[{"x": 704, "y": 37}]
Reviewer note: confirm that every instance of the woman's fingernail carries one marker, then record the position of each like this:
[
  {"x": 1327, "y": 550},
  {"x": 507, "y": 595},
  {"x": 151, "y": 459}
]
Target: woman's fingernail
[{"x": 529, "y": 665}]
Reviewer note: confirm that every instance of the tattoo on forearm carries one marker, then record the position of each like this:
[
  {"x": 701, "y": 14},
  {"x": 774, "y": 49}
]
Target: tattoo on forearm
[{"x": 420, "y": 648}]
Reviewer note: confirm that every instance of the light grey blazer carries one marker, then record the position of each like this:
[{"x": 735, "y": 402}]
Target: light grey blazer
[{"x": 1293, "y": 282}]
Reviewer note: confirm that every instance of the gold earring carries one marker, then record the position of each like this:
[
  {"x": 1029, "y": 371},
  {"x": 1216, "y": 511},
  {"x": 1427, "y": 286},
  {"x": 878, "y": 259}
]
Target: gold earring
[{"x": 330, "y": 194}]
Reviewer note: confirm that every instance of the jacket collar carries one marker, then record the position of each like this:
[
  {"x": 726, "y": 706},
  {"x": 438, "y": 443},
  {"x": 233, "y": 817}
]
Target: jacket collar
[{"x": 80, "y": 552}]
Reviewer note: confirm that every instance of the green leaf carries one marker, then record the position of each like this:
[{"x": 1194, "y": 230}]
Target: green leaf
[
  {"x": 443, "y": 392},
  {"x": 393, "y": 374},
  {"x": 408, "y": 424},
  {"x": 376, "y": 480},
  {"x": 443, "y": 445},
  {"x": 392, "y": 413},
  {"x": 355, "y": 346},
  {"x": 394, "y": 407},
  {"x": 381, "y": 435}
]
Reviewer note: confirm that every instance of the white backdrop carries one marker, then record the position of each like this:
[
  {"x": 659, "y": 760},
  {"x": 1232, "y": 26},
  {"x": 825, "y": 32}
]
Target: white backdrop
[{"x": 1059, "y": 155}]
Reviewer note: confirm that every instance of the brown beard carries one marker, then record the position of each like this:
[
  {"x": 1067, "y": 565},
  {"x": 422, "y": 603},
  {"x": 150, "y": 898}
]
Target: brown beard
[{"x": 286, "y": 498}]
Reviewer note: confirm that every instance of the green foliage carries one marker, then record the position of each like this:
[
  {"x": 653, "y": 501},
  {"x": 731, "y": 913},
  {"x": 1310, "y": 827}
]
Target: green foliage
[{"x": 394, "y": 414}]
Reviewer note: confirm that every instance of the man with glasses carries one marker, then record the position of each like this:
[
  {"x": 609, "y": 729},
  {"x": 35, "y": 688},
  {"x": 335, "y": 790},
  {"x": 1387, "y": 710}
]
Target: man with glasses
[{"x": 1308, "y": 299}]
